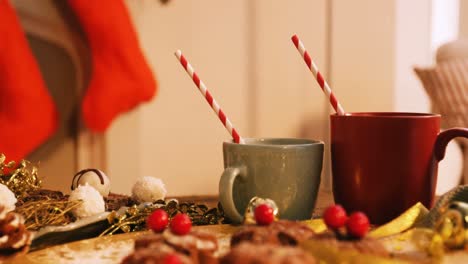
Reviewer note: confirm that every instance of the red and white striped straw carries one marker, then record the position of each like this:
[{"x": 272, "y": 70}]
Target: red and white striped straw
[
  {"x": 211, "y": 101},
  {"x": 318, "y": 76}
]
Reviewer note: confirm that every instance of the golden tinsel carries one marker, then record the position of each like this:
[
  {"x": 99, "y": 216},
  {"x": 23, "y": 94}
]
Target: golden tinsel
[
  {"x": 39, "y": 207},
  {"x": 20, "y": 178},
  {"x": 47, "y": 211}
]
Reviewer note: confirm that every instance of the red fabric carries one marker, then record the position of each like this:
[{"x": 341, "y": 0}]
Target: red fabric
[
  {"x": 27, "y": 112},
  {"x": 121, "y": 78}
]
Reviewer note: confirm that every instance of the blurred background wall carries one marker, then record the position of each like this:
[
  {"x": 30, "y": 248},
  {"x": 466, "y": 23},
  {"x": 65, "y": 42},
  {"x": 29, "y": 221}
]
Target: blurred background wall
[{"x": 243, "y": 52}]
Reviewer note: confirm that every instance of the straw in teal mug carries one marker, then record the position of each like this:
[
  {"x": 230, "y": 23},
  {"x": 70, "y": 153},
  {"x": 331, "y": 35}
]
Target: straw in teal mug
[{"x": 285, "y": 170}]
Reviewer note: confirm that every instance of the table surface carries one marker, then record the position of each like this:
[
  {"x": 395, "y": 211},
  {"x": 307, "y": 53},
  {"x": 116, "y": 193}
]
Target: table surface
[{"x": 120, "y": 245}]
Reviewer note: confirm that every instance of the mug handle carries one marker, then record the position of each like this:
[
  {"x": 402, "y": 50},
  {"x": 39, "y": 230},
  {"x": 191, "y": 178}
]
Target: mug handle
[
  {"x": 225, "y": 194},
  {"x": 444, "y": 138}
]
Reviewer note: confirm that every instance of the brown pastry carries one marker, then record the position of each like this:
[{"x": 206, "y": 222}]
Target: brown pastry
[
  {"x": 198, "y": 247},
  {"x": 154, "y": 256},
  {"x": 364, "y": 245},
  {"x": 287, "y": 233},
  {"x": 248, "y": 253}
]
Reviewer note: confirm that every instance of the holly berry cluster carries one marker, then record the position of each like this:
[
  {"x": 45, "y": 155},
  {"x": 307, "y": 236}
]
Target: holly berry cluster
[
  {"x": 356, "y": 225},
  {"x": 180, "y": 225},
  {"x": 159, "y": 220}
]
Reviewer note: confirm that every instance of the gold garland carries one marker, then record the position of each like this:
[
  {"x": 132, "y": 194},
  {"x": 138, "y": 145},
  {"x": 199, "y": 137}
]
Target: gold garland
[
  {"x": 21, "y": 178},
  {"x": 39, "y": 209},
  {"x": 47, "y": 211}
]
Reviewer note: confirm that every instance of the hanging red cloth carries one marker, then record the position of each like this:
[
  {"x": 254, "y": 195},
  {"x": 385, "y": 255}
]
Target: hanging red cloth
[
  {"x": 121, "y": 78},
  {"x": 27, "y": 112}
]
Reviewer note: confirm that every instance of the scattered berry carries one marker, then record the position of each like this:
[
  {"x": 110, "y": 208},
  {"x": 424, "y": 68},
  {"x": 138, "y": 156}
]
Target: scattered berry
[
  {"x": 357, "y": 225},
  {"x": 335, "y": 217},
  {"x": 172, "y": 259},
  {"x": 181, "y": 224},
  {"x": 264, "y": 214},
  {"x": 158, "y": 220}
]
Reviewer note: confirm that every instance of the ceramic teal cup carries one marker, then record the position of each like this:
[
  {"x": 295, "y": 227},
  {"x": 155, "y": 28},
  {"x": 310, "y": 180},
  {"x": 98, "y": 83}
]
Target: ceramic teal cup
[{"x": 286, "y": 170}]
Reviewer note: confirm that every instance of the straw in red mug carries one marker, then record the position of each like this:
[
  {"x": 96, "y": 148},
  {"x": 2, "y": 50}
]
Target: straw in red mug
[
  {"x": 211, "y": 101},
  {"x": 318, "y": 76}
]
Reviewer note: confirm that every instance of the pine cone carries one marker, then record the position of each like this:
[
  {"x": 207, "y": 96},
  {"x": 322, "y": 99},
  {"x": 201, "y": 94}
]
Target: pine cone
[{"x": 14, "y": 237}]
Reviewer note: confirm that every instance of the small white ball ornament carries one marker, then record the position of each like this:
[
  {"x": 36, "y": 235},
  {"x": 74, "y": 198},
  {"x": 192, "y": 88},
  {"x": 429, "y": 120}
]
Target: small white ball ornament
[
  {"x": 149, "y": 189},
  {"x": 93, "y": 202},
  {"x": 7, "y": 198},
  {"x": 93, "y": 177}
]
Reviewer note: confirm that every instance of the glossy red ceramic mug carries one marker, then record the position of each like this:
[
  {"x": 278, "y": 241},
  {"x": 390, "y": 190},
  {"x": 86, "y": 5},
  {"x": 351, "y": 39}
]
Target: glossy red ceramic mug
[{"x": 383, "y": 163}]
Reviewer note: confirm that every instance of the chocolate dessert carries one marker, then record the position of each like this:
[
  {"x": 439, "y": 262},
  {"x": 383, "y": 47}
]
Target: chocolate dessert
[
  {"x": 198, "y": 247},
  {"x": 115, "y": 201},
  {"x": 248, "y": 253},
  {"x": 364, "y": 245},
  {"x": 283, "y": 232},
  {"x": 155, "y": 256}
]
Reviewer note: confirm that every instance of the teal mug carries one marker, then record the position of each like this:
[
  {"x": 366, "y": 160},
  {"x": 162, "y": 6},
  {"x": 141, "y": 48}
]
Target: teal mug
[{"x": 286, "y": 170}]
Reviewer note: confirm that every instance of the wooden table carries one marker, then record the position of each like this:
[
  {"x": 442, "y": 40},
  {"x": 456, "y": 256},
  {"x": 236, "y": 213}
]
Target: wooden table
[{"x": 111, "y": 249}]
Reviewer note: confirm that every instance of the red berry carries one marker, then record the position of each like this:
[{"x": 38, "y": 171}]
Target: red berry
[
  {"x": 357, "y": 225},
  {"x": 172, "y": 259},
  {"x": 335, "y": 217},
  {"x": 181, "y": 224},
  {"x": 158, "y": 220},
  {"x": 264, "y": 214}
]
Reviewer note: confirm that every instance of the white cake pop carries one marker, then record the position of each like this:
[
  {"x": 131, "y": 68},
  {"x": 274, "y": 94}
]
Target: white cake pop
[
  {"x": 7, "y": 198},
  {"x": 92, "y": 201},
  {"x": 149, "y": 189},
  {"x": 93, "y": 177}
]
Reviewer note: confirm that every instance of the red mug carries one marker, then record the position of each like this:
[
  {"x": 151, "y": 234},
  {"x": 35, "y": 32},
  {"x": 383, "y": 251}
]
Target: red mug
[{"x": 383, "y": 163}]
